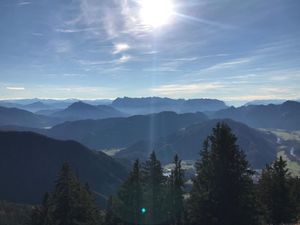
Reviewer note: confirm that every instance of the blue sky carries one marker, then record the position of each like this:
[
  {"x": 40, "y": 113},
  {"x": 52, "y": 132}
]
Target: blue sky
[{"x": 233, "y": 50}]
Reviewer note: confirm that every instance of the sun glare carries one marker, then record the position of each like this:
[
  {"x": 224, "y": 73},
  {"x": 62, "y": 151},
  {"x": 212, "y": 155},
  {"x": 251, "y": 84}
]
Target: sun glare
[{"x": 156, "y": 13}]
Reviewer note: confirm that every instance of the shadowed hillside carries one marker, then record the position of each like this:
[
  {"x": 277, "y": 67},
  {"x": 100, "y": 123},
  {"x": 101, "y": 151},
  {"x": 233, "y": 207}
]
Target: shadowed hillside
[
  {"x": 122, "y": 132},
  {"x": 29, "y": 164},
  {"x": 260, "y": 147}
]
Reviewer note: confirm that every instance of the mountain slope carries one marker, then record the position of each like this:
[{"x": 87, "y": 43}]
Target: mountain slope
[
  {"x": 19, "y": 117},
  {"x": 260, "y": 147},
  {"x": 122, "y": 132},
  {"x": 80, "y": 110},
  {"x": 30, "y": 163},
  {"x": 283, "y": 116},
  {"x": 36, "y": 106}
]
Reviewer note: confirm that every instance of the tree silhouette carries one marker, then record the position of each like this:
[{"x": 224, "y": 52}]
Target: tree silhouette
[
  {"x": 274, "y": 193},
  {"x": 223, "y": 191}
]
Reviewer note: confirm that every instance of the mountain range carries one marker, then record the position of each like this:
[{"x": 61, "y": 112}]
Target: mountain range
[
  {"x": 260, "y": 147},
  {"x": 33, "y": 146},
  {"x": 148, "y": 105},
  {"x": 50, "y": 117},
  {"x": 282, "y": 116},
  {"x": 80, "y": 110},
  {"x": 122, "y": 132}
]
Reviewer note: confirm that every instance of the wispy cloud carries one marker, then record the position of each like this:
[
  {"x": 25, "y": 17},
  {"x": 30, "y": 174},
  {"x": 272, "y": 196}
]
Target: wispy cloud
[
  {"x": 206, "y": 22},
  {"x": 184, "y": 89},
  {"x": 15, "y": 88},
  {"x": 249, "y": 97},
  {"x": 230, "y": 64},
  {"x": 73, "y": 75},
  {"x": 23, "y": 3},
  {"x": 122, "y": 59},
  {"x": 120, "y": 47},
  {"x": 187, "y": 59},
  {"x": 74, "y": 30},
  {"x": 94, "y": 63}
]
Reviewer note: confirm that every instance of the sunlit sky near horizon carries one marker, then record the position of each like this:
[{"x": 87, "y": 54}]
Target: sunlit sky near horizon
[{"x": 232, "y": 50}]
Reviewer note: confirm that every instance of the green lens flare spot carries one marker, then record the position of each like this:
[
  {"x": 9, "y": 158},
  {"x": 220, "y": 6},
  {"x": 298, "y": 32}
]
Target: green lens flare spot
[{"x": 143, "y": 210}]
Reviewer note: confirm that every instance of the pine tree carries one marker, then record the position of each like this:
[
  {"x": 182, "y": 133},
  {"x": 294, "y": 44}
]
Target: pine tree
[
  {"x": 41, "y": 214},
  {"x": 130, "y": 197},
  {"x": 295, "y": 196},
  {"x": 176, "y": 184},
  {"x": 154, "y": 183},
  {"x": 71, "y": 203},
  {"x": 110, "y": 216},
  {"x": 223, "y": 190},
  {"x": 274, "y": 192},
  {"x": 65, "y": 197}
]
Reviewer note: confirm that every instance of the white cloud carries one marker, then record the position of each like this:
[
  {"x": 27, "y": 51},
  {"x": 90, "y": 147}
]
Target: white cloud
[
  {"x": 114, "y": 17},
  {"x": 22, "y": 3},
  {"x": 124, "y": 59},
  {"x": 120, "y": 47},
  {"x": 186, "y": 59},
  {"x": 93, "y": 63},
  {"x": 183, "y": 89},
  {"x": 73, "y": 30},
  {"x": 15, "y": 88},
  {"x": 229, "y": 64}
]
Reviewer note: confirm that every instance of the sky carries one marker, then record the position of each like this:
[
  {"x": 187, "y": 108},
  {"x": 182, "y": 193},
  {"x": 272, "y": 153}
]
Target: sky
[{"x": 232, "y": 50}]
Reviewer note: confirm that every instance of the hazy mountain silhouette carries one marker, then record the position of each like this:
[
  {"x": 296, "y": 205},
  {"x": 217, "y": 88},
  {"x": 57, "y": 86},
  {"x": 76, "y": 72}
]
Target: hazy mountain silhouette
[
  {"x": 30, "y": 163},
  {"x": 266, "y": 102},
  {"x": 283, "y": 116},
  {"x": 80, "y": 110},
  {"x": 156, "y": 104},
  {"x": 47, "y": 112},
  {"x": 36, "y": 106},
  {"x": 259, "y": 146},
  {"x": 20, "y": 117},
  {"x": 122, "y": 132}
]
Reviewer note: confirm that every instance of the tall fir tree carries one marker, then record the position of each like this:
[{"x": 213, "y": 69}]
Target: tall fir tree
[
  {"x": 223, "y": 190},
  {"x": 295, "y": 196},
  {"x": 274, "y": 193},
  {"x": 154, "y": 183},
  {"x": 71, "y": 203},
  {"x": 175, "y": 189},
  {"x": 130, "y": 197}
]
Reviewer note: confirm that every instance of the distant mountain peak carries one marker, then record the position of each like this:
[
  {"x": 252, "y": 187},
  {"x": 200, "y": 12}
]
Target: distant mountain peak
[
  {"x": 291, "y": 102},
  {"x": 81, "y": 106}
]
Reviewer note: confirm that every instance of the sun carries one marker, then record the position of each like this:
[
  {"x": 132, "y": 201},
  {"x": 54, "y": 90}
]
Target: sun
[{"x": 156, "y": 13}]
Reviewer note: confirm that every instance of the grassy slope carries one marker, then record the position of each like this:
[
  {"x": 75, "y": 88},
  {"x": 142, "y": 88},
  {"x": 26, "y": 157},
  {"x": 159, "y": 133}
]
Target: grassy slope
[{"x": 283, "y": 150}]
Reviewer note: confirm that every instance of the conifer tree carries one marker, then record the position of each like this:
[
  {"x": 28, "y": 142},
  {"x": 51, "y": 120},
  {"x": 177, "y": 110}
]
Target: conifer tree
[
  {"x": 110, "y": 216},
  {"x": 154, "y": 191},
  {"x": 41, "y": 214},
  {"x": 71, "y": 203},
  {"x": 274, "y": 192},
  {"x": 295, "y": 196},
  {"x": 176, "y": 184},
  {"x": 130, "y": 197},
  {"x": 223, "y": 191}
]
